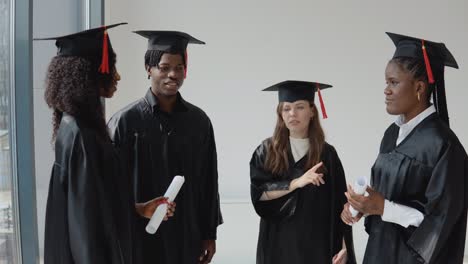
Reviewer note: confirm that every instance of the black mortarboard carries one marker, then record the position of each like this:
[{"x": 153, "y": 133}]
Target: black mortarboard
[
  {"x": 435, "y": 56},
  {"x": 168, "y": 41},
  {"x": 88, "y": 43},
  {"x": 291, "y": 91}
]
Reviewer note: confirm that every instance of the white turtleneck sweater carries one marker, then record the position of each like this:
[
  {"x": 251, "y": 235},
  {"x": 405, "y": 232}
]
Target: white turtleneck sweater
[{"x": 299, "y": 147}]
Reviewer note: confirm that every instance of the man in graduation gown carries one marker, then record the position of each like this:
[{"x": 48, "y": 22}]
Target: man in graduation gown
[
  {"x": 161, "y": 136},
  {"x": 417, "y": 207}
]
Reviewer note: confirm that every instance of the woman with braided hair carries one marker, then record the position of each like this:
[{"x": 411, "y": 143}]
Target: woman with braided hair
[{"x": 416, "y": 208}]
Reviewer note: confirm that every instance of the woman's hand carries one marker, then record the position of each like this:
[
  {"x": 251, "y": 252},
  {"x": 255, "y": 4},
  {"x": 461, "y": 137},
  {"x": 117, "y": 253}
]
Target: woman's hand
[
  {"x": 310, "y": 177},
  {"x": 373, "y": 204},
  {"x": 341, "y": 257},
  {"x": 147, "y": 209},
  {"x": 346, "y": 216}
]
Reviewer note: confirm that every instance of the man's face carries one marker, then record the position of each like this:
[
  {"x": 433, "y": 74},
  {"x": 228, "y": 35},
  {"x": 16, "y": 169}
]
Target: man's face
[{"x": 168, "y": 76}]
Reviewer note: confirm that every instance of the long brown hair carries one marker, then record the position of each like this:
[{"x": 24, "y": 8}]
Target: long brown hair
[{"x": 277, "y": 156}]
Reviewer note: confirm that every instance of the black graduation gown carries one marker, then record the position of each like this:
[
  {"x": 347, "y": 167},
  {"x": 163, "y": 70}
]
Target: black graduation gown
[
  {"x": 427, "y": 171},
  {"x": 158, "y": 146},
  {"x": 303, "y": 226},
  {"x": 89, "y": 209}
]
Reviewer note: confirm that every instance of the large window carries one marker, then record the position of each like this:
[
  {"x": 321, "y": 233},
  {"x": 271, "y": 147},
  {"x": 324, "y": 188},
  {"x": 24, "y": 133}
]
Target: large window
[{"x": 7, "y": 214}]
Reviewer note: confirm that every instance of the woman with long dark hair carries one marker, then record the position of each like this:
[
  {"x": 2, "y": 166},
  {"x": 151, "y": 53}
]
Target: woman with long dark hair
[
  {"x": 298, "y": 184},
  {"x": 416, "y": 209},
  {"x": 89, "y": 217}
]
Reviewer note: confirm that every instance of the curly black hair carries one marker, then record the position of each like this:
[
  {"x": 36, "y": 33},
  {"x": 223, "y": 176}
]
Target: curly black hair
[{"x": 73, "y": 86}]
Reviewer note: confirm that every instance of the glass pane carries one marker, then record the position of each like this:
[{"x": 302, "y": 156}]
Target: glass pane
[{"x": 7, "y": 216}]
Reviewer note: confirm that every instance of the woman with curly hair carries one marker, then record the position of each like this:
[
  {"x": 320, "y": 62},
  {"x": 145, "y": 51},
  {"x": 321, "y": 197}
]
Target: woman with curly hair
[
  {"x": 298, "y": 185},
  {"x": 90, "y": 213}
]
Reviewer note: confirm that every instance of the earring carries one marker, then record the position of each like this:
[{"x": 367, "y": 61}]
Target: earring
[
  {"x": 149, "y": 78},
  {"x": 419, "y": 98}
]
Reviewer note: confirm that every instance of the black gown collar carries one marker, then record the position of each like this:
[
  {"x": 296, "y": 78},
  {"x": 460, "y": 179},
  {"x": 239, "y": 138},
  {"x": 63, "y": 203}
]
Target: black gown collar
[
  {"x": 429, "y": 118},
  {"x": 181, "y": 104}
]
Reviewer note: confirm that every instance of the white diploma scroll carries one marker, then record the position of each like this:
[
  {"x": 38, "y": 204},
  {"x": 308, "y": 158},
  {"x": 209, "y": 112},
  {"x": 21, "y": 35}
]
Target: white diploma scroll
[
  {"x": 359, "y": 187},
  {"x": 160, "y": 212}
]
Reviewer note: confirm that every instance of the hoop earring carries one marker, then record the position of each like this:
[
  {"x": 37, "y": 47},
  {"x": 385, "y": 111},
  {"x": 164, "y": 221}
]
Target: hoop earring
[{"x": 419, "y": 98}]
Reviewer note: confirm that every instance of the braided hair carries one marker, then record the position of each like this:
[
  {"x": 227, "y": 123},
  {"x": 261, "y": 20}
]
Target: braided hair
[{"x": 417, "y": 68}]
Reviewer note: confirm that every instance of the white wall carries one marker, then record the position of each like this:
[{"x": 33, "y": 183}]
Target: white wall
[{"x": 253, "y": 44}]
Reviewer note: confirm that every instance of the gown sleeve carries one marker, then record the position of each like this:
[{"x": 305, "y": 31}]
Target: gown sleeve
[
  {"x": 445, "y": 205},
  {"x": 261, "y": 181},
  {"x": 210, "y": 206},
  {"x": 126, "y": 141},
  {"x": 337, "y": 174},
  {"x": 87, "y": 223}
]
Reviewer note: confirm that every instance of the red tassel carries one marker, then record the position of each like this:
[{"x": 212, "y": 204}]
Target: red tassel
[
  {"x": 430, "y": 76},
  {"x": 104, "y": 68},
  {"x": 322, "y": 105},
  {"x": 186, "y": 63}
]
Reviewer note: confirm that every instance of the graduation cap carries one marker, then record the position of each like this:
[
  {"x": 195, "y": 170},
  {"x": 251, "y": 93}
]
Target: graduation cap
[
  {"x": 436, "y": 56},
  {"x": 169, "y": 41},
  {"x": 433, "y": 53},
  {"x": 291, "y": 91},
  {"x": 88, "y": 43}
]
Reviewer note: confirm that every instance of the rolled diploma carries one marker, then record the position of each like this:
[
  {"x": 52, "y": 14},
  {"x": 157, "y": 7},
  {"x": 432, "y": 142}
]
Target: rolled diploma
[
  {"x": 160, "y": 212},
  {"x": 359, "y": 187}
]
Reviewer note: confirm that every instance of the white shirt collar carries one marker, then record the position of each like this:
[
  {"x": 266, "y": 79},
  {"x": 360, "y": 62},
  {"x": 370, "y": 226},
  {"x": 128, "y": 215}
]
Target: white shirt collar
[
  {"x": 299, "y": 147},
  {"x": 406, "y": 128}
]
